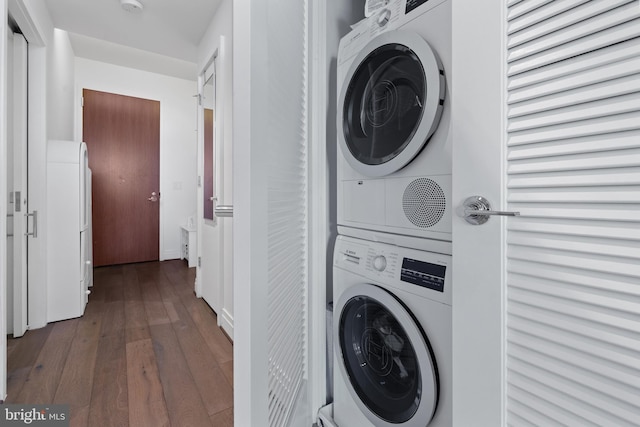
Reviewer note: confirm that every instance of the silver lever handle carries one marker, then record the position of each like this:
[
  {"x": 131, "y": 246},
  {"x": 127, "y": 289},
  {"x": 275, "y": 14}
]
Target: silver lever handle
[
  {"x": 223, "y": 211},
  {"x": 34, "y": 233},
  {"x": 476, "y": 210},
  {"x": 154, "y": 197}
]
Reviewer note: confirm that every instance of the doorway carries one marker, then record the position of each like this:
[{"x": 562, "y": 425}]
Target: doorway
[{"x": 122, "y": 134}]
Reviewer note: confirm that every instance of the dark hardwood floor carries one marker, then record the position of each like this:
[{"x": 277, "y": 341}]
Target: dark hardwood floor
[{"x": 147, "y": 352}]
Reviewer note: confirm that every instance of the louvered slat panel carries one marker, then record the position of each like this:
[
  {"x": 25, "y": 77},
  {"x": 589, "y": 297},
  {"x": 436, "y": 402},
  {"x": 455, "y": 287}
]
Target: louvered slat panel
[
  {"x": 573, "y": 256},
  {"x": 543, "y": 13},
  {"x": 576, "y": 244},
  {"x": 536, "y": 330},
  {"x": 602, "y": 39},
  {"x": 602, "y": 73},
  {"x": 598, "y": 178},
  {"x": 575, "y": 228},
  {"x": 609, "y": 195},
  {"x": 601, "y": 126},
  {"x": 287, "y": 207},
  {"x": 564, "y": 408},
  {"x": 576, "y": 112},
  {"x": 583, "y": 161},
  {"x": 551, "y": 27},
  {"x": 524, "y": 7},
  {"x": 590, "y": 388},
  {"x": 575, "y": 65},
  {"x": 589, "y": 144},
  {"x": 603, "y": 284}
]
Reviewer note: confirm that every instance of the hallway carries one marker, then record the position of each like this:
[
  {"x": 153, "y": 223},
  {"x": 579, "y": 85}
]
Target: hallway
[{"x": 147, "y": 352}]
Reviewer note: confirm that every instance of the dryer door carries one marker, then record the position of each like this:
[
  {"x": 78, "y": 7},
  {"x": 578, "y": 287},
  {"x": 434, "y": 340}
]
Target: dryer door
[
  {"x": 390, "y": 103},
  {"x": 385, "y": 358}
]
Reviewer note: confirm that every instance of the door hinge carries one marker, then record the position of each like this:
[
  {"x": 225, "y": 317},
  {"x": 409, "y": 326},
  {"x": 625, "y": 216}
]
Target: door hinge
[
  {"x": 82, "y": 101},
  {"x": 199, "y": 262}
]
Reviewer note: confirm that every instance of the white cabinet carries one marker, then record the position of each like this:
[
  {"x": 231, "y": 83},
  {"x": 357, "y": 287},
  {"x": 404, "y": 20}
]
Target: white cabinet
[{"x": 189, "y": 247}]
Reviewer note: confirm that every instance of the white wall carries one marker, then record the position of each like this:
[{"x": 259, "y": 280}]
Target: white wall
[
  {"x": 216, "y": 242},
  {"x": 178, "y": 143},
  {"x": 60, "y": 86}
]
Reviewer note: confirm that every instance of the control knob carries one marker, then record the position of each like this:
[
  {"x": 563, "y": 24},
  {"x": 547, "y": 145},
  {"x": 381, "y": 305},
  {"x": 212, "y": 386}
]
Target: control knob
[{"x": 380, "y": 263}]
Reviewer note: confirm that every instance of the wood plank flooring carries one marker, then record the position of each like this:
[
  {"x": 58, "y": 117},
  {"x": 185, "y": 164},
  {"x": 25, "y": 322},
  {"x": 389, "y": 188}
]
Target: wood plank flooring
[{"x": 147, "y": 352}]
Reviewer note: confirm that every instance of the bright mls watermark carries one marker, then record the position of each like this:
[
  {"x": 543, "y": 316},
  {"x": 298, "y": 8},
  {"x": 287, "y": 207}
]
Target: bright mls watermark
[{"x": 34, "y": 415}]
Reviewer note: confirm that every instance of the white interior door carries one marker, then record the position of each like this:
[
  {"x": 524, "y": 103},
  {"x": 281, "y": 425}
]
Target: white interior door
[
  {"x": 546, "y": 107},
  {"x": 478, "y": 135},
  {"x": 270, "y": 156},
  {"x": 210, "y": 236},
  {"x": 17, "y": 185}
]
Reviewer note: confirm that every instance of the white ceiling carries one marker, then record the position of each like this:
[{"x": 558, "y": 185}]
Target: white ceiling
[{"x": 164, "y": 35}]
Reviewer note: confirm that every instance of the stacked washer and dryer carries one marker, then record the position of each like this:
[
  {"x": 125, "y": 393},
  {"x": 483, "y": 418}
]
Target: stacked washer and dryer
[{"x": 392, "y": 259}]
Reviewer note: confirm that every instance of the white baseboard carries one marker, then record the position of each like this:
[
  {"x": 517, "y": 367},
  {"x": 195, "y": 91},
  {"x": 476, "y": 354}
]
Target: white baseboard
[
  {"x": 226, "y": 322},
  {"x": 175, "y": 254}
]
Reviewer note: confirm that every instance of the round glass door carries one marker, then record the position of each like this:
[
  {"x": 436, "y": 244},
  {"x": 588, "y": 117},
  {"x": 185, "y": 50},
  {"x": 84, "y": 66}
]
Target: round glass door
[
  {"x": 386, "y": 358},
  {"x": 384, "y": 104},
  {"x": 391, "y": 103}
]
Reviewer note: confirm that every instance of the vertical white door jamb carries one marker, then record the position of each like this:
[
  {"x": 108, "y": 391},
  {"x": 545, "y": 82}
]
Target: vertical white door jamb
[
  {"x": 249, "y": 242},
  {"x": 3, "y": 197},
  {"x": 20, "y": 222},
  {"x": 478, "y": 89},
  {"x": 318, "y": 206}
]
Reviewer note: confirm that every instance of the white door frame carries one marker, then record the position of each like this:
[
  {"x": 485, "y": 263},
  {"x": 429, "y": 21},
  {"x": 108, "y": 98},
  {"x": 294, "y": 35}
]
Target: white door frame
[
  {"x": 3, "y": 196},
  {"x": 478, "y": 91},
  {"x": 19, "y": 106}
]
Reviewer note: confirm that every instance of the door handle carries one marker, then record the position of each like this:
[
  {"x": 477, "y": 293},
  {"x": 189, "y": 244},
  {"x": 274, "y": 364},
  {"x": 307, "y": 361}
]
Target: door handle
[
  {"x": 154, "y": 197},
  {"x": 222, "y": 211},
  {"x": 476, "y": 210},
  {"x": 34, "y": 233}
]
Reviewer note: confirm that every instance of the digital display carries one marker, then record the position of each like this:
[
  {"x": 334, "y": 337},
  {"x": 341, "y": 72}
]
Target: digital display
[
  {"x": 412, "y": 4},
  {"x": 423, "y": 274}
]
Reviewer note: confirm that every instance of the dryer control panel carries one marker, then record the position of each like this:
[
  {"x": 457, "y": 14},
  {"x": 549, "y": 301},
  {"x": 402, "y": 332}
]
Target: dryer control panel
[{"x": 420, "y": 272}]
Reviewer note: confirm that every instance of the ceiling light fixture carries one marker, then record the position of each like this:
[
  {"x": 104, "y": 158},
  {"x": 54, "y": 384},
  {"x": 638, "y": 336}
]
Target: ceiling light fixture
[{"x": 133, "y": 6}]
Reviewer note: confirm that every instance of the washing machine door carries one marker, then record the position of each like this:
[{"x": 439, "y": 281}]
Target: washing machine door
[
  {"x": 390, "y": 103},
  {"x": 385, "y": 358}
]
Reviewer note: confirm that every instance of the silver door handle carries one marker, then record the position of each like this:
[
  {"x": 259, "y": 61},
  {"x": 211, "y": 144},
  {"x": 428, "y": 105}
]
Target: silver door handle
[
  {"x": 154, "y": 197},
  {"x": 34, "y": 233},
  {"x": 476, "y": 210},
  {"x": 222, "y": 211}
]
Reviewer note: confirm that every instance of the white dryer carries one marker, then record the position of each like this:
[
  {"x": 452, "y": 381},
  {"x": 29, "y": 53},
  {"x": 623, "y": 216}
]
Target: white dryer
[
  {"x": 393, "y": 126},
  {"x": 391, "y": 336}
]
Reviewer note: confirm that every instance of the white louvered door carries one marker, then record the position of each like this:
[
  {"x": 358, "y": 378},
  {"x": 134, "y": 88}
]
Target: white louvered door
[
  {"x": 546, "y": 305},
  {"x": 287, "y": 207},
  {"x": 270, "y": 213},
  {"x": 573, "y": 170}
]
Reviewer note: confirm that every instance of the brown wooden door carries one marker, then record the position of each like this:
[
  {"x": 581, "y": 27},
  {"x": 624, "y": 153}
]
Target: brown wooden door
[{"x": 123, "y": 140}]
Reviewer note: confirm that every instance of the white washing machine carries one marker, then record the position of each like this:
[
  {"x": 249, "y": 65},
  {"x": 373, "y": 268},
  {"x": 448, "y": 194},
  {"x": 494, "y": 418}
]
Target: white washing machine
[
  {"x": 394, "y": 126},
  {"x": 392, "y": 336}
]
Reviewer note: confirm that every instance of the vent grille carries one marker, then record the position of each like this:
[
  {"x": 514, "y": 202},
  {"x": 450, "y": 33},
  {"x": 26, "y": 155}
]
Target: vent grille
[{"x": 424, "y": 202}]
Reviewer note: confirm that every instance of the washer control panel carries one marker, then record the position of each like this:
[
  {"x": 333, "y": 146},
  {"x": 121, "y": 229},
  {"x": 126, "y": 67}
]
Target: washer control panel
[{"x": 417, "y": 271}]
